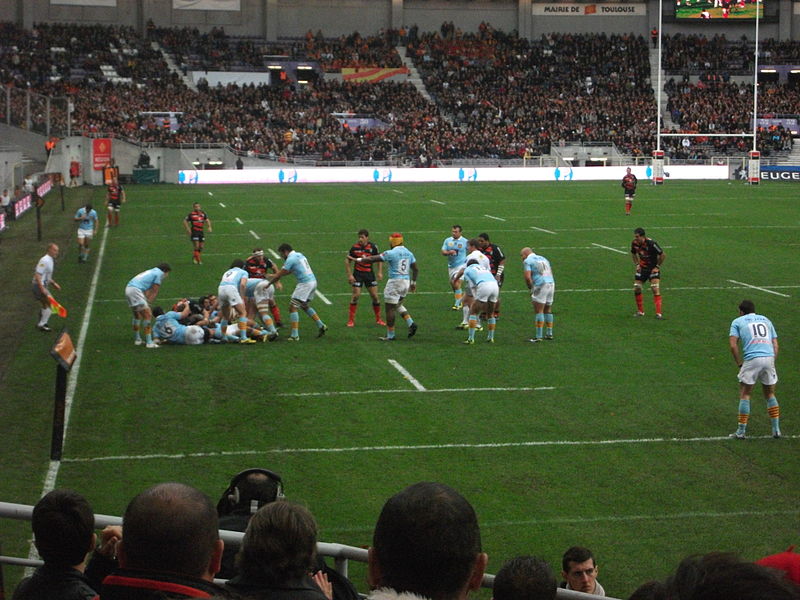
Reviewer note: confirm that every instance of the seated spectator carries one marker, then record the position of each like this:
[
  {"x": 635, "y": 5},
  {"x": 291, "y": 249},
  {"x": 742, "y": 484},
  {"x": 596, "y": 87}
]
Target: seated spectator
[
  {"x": 788, "y": 562},
  {"x": 579, "y": 571},
  {"x": 722, "y": 576},
  {"x": 278, "y": 554},
  {"x": 63, "y": 529},
  {"x": 247, "y": 492},
  {"x": 170, "y": 546},
  {"x": 525, "y": 578},
  {"x": 426, "y": 543}
]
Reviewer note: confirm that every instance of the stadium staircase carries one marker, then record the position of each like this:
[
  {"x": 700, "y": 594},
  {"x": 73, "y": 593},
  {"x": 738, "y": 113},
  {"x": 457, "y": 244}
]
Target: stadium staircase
[
  {"x": 666, "y": 118},
  {"x": 413, "y": 74},
  {"x": 174, "y": 67}
]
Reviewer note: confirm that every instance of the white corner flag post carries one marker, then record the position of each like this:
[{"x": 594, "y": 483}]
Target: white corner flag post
[{"x": 754, "y": 167}]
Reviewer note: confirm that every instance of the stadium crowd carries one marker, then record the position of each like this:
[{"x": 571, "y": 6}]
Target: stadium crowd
[
  {"x": 426, "y": 544},
  {"x": 495, "y": 95}
]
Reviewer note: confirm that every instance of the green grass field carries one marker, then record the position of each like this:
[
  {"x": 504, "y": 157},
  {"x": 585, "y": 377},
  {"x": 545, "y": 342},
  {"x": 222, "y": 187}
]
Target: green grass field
[{"x": 613, "y": 436}]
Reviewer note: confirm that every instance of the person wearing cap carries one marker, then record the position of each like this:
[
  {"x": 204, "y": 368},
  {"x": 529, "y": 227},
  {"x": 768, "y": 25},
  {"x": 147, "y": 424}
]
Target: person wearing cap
[{"x": 403, "y": 274}]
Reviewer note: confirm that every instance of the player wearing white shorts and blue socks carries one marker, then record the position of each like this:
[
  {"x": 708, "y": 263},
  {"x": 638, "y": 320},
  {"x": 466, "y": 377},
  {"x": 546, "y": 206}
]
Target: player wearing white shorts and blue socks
[
  {"x": 297, "y": 265},
  {"x": 140, "y": 292},
  {"x": 455, "y": 249},
  {"x": 756, "y": 362},
  {"x": 539, "y": 279}
]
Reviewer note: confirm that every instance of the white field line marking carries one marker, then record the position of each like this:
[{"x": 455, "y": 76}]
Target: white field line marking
[
  {"x": 210, "y": 194},
  {"x": 602, "y": 519},
  {"x": 544, "y": 230},
  {"x": 398, "y": 192},
  {"x": 493, "y": 217},
  {"x": 222, "y": 205},
  {"x": 755, "y": 287},
  {"x": 544, "y": 443},
  {"x": 609, "y": 248},
  {"x": 239, "y": 221},
  {"x": 254, "y": 234},
  {"x": 437, "y": 202},
  {"x": 407, "y": 375},
  {"x": 274, "y": 254},
  {"x": 72, "y": 382},
  {"x": 322, "y": 297},
  {"x": 425, "y": 390},
  {"x": 564, "y": 291}
]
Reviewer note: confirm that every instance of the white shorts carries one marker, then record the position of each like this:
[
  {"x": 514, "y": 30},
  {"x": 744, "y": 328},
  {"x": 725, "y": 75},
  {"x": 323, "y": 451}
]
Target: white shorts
[
  {"x": 228, "y": 295},
  {"x": 194, "y": 335},
  {"x": 487, "y": 291},
  {"x": 761, "y": 368},
  {"x": 136, "y": 298},
  {"x": 304, "y": 292},
  {"x": 544, "y": 294},
  {"x": 395, "y": 290},
  {"x": 451, "y": 272},
  {"x": 85, "y": 234},
  {"x": 263, "y": 292}
]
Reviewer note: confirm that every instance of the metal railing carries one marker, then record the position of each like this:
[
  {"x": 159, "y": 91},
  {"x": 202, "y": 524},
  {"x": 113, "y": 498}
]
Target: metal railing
[{"x": 340, "y": 553}]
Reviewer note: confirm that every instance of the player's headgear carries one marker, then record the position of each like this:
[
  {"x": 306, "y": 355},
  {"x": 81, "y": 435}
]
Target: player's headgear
[
  {"x": 258, "y": 252},
  {"x": 396, "y": 239},
  {"x": 251, "y": 493}
]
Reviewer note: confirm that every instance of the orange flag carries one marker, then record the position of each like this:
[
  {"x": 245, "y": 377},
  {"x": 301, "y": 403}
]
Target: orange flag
[{"x": 59, "y": 310}]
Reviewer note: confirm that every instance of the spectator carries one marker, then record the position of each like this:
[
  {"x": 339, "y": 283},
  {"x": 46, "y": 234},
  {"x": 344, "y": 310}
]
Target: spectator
[
  {"x": 721, "y": 576},
  {"x": 426, "y": 543},
  {"x": 5, "y": 203},
  {"x": 63, "y": 528},
  {"x": 247, "y": 492},
  {"x": 170, "y": 546},
  {"x": 278, "y": 554},
  {"x": 788, "y": 562},
  {"x": 525, "y": 578},
  {"x": 579, "y": 571}
]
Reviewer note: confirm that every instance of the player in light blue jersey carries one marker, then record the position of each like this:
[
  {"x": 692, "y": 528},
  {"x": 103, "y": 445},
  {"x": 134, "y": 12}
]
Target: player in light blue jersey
[
  {"x": 756, "y": 362},
  {"x": 403, "y": 273},
  {"x": 169, "y": 329},
  {"x": 140, "y": 292},
  {"x": 230, "y": 294},
  {"x": 455, "y": 249},
  {"x": 87, "y": 220},
  {"x": 296, "y": 264},
  {"x": 539, "y": 279},
  {"x": 485, "y": 292}
]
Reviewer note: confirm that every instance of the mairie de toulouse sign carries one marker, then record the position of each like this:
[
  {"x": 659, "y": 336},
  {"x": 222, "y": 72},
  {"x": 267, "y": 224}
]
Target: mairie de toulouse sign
[{"x": 605, "y": 9}]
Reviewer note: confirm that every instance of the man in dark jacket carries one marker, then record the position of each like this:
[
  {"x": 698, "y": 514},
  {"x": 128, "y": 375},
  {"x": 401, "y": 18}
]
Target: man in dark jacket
[
  {"x": 63, "y": 527},
  {"x": 170, "y": 546}
]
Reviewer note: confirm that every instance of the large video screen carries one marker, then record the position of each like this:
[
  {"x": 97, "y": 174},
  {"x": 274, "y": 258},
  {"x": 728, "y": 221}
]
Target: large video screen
[{"x": 719, "y": 9}]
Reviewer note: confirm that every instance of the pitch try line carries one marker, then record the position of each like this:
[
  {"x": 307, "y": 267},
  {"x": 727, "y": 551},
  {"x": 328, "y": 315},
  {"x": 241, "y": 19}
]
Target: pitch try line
[{"x": 417, "y": 447}]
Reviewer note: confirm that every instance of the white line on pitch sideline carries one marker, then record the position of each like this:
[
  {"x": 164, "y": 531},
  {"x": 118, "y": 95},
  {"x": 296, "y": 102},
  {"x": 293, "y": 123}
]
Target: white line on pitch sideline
[
  {"x": 239, "y": 221},
  {"x": 52, "y": 471},
  {"x": 425, "y": 390},
  {"x": 411, "y": 379},
  {"x": 493, "y": 217},
  {"x": 609, "y": 248},
  {"x": 394, "y": 448},
  {"x": 544, "y": 230},
  {"x": 255, "y": 235},
  {"x": 602, "y": 519},
  {"x": 755, "y": 287},
  {"x": 322, "y": 297}
]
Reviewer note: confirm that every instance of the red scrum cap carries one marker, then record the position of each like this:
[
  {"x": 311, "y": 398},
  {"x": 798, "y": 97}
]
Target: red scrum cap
[{"x": 396, "y": 239}]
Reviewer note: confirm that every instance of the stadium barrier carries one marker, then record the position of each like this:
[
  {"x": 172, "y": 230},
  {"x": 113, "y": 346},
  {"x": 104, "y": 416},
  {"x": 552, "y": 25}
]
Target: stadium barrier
[{"x": 339, "y": 552}]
